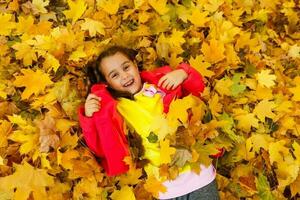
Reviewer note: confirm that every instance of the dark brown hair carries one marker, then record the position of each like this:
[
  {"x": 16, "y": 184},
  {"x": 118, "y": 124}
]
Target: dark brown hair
[{"x": 94, "y": 74}]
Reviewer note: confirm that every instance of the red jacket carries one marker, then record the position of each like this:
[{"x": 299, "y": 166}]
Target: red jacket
[{"x": 104, "y": 131}]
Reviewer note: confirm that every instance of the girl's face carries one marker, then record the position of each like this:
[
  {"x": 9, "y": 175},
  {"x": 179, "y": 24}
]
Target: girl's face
[{"x": 121, "y": 73}]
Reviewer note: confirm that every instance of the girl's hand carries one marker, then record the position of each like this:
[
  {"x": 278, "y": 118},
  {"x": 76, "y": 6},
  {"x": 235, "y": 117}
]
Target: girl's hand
[
  {"x": 180, "y": 157},
  {"x": 92, "y": 104},
  {"x": 172, "y": 79}
]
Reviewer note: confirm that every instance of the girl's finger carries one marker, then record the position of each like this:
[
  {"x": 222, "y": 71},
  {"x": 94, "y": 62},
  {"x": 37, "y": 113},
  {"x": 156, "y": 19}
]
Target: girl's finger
[
  {"x": 169, "y": 86},
  {"x": 165, "y": 83},
  {"x": 93, "y": 101},
  {"x": 161, "y": 80},
  {"x": 93, "y": 96}
]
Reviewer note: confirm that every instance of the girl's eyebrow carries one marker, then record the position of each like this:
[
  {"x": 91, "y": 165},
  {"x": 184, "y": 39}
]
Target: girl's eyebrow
[{"x": 125, "y": 62}]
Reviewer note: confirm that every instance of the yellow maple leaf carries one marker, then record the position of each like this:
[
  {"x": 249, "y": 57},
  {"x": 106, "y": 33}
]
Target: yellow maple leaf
[
  {"x": 294, "y": 51},
  {"x": 178, "y": 109},
  {"x": 176, "y": 38},
  {"x": 25, "y": 180},
  {"x": 24, "y": 24},
  {"x": 166, "y": 151},
  {"x": 198, "y": 18},
  {"x": 138, "y": 3},
  {"x": 201, "y": 66},
  {"x": 125, "y": 193},
  {"x": 109, "y": 6},
  {"x": 131, "y": 177},
  {"x": 162, "y": 127},
  {"x": 6, "y": 24},
  {"x": 154, "y": 186},
  {"x": 93, "y": 27},
  {"x": 246, "y": 120},
  {"x": 214, "y": 51},
  {"x": 295, "y": 186},
  {"x": 174, "y": 60},
  {"x": 257, "y": 141},
  {"x": 25, "y": 52},
  {"x": 51, "y": 62},
  {"x": 213, "y": 5},
  {"x": 296, "y": 93},
  {"x": 76, "y": 10},
  {"x": 288, "y": 168},
  {"x": 214, "y": 105},
  {"x": 39, "y": 6},
  {"x": 223, "y": 86},
  {"x": 88, "y": 187},
  {"x": 264, "y": 78},
  {"x": 78, "y": 54},
  {"x": 34, "y": 82},
  {"x": 264, "y": 109},
  {"x": 159, "y": 6}
]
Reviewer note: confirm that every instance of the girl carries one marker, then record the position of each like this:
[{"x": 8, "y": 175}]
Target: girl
[{"x": 137, "y": 97}]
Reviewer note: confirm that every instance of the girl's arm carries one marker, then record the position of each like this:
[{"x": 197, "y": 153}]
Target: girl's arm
[
  {"x": 194, "y": 82},
  {"x": 104, "y": 133}
]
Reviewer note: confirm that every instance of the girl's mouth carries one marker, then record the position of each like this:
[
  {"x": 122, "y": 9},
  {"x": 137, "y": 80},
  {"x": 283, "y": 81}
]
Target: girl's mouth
[{"x": 129, "y": 83}]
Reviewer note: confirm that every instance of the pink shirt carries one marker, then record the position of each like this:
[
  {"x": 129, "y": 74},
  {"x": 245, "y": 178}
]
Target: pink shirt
[{"x": 188, "y": 182}]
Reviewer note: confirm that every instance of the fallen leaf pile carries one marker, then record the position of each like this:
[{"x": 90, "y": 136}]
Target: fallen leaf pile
[{"x": 248, "y": 52}]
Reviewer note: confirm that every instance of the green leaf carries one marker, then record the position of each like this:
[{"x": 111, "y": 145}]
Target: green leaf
[
  {"x": 152, "y": 137},
  {"x": 263, "y": 187},
  {"x": 236, "y": 87}
]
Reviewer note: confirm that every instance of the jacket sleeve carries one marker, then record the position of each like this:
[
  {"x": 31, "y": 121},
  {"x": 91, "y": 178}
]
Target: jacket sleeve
[
  {"x": 104, "y": 133},
  {"x": 194, "y": 83},
  {"x": 89, "y": 132}
]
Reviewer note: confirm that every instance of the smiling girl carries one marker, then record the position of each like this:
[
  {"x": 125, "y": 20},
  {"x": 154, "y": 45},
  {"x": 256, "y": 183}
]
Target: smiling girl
[{"x": 124, "y": 94}]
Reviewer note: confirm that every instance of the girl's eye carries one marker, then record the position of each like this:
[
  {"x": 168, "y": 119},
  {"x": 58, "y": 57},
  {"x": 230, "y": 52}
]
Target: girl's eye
[
  {"x": 114, "y": 75},
  {"x": 126, "y": 67}
]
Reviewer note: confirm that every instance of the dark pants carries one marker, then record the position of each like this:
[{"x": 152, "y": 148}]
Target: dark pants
[{"x": 208, "y": 192}]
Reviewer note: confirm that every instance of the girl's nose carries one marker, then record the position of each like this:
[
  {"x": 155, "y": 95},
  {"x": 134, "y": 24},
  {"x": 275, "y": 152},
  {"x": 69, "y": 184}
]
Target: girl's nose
[{"x": 124, "y": 76}]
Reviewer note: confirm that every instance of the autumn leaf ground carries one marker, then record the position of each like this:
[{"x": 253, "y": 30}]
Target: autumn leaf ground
[{"x": 248, "y": 52}]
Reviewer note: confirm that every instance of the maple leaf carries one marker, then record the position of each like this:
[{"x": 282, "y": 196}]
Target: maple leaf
[
  {"x": 25, "y": 52},
  {"x": 109, "y": 6},
  {"x": 201, "y": 66},
  {"x": 24, "y": 24},
  {"x": 159, "y": 6},
  {"x": 25, "y": 180},
  {"x": 93, "y": 27},
  {"x": 5, "y": 129},
  {"x": 154, "y": 186},
  {"x": 295, "y": 186},
  {"x": 237, "y": 88},
  {"x": 296, "y": 93},
  {"x": 246, "y": 121},
  {"x": 7, "y": 25},
  {"x": 166, "y": 151},
  {"x": 263, "y": 187},
  {"x": 76, "y": 10},
  {"x": 214, "y": 51},
  {"x": 264, "y": 78},
  {"x": 294, "y": 51},
  {"x": 125, "y": 193},
  {"x": 48, "y": 137},
  {"x": 223, "y": 86},
  {"x": 131, "y": 177},
  {"x": 34, "y": 82},
  {"x": 215, "y": 106},
  {"x": 213, "y": 5},
  {"x": 39, "y": 6},
  {"x": 199, "y": 18},
  {"x": 288, "y": 168},
  {"x": 178, "y": 110},
  {"x": 51, "y": 62},
  {"x": 78, "y": 54},
  {"x": 264, "y": 109},
  {"x": 176, "y": 38}
]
